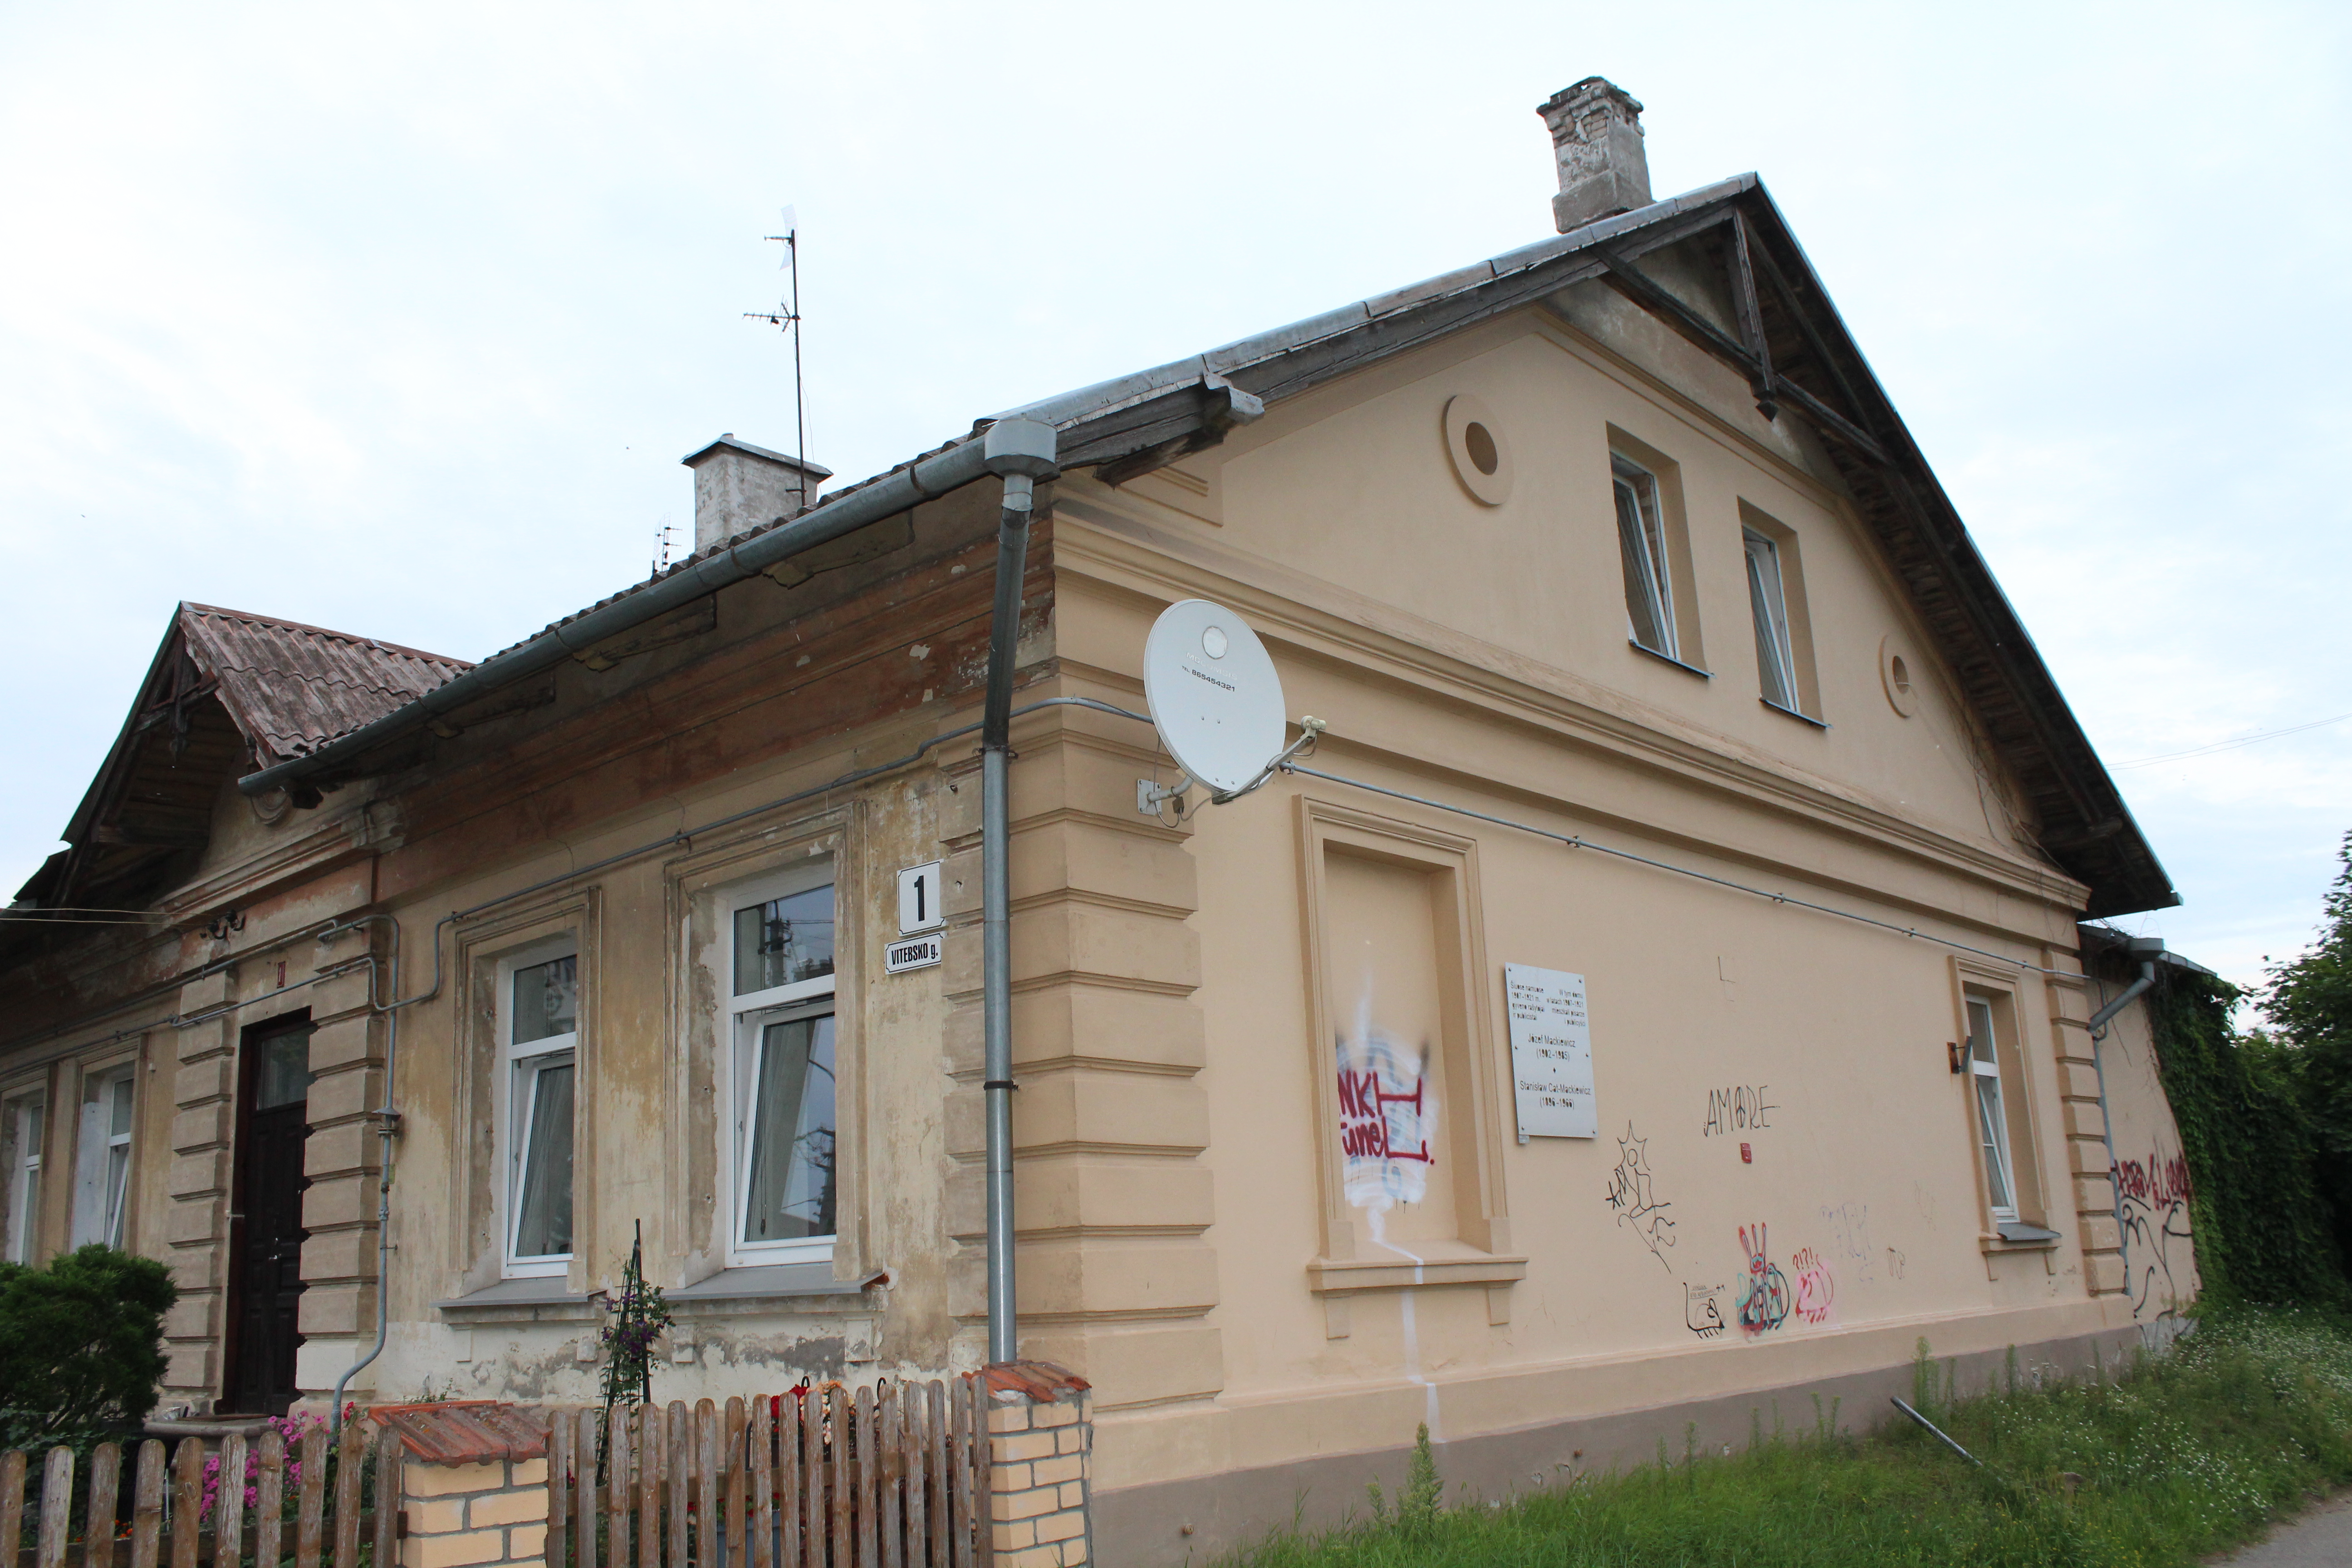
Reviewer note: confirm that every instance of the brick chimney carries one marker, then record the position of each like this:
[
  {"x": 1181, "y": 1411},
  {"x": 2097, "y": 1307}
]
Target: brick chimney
[
  {"x": 739, "y": 487},
  {"x": 1596, "y": 128}
]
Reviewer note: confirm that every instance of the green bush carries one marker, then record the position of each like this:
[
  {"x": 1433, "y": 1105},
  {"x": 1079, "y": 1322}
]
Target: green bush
[
  {"x": 81, "y": 1344},
  {"x": 2266, "y": 1230}
]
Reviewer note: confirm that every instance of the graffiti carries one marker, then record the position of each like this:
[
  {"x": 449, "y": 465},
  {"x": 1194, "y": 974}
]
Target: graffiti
[
  {"x": 1849, "y": 1238},
  {"x": 1701, "y": 1316},
  {"x": 1764, "y": 1294},
  {"x": 1388, "y": 1110},
  {"x": 1633, "y": 1194},
  {"x": 1815, "y": 1287},
  {"x": 1895, "y": 1263},
  {"x": 2157, "y": 1184},
  {"x": 1741, "y": 1108},
  {"x": 2152, "y": 1201}
]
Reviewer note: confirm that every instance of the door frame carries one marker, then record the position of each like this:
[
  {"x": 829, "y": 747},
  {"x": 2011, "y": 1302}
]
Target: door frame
[{"x": 248, "y": 1073}]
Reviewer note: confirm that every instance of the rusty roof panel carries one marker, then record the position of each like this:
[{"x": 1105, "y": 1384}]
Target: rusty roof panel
[{"x": 293, "y": 688}]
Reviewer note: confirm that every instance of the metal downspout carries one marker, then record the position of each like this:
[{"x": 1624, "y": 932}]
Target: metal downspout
[
  {"x": 1020, "y": 451},
  {"x": 387, "y": 1127},
  {"x": 2153, "y": 947}
]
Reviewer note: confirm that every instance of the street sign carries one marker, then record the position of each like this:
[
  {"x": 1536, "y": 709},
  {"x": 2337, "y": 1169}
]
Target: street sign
[{"x": 913, "y": 953}]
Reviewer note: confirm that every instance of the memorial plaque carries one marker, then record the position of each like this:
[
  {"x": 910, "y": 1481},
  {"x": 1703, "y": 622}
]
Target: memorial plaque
[{"x": 1552, "y": 1053}]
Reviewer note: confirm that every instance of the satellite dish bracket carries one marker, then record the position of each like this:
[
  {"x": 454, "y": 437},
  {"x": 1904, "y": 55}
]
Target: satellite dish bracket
[{"x": 1150, "y": 796}]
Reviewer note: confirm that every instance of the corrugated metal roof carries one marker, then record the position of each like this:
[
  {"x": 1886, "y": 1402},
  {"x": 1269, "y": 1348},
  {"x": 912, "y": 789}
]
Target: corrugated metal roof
[{"x": 293, "y": 688}]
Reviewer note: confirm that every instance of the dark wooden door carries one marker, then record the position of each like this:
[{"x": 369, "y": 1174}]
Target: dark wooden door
[{"x": 267, "y": 1233}]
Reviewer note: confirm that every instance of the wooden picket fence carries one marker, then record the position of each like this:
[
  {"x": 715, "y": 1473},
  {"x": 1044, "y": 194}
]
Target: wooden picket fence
[
  {"x": 889, "y": 1476},
  {"x": 828, "y": 1476},
  {"x": 170, "y": 1513}
]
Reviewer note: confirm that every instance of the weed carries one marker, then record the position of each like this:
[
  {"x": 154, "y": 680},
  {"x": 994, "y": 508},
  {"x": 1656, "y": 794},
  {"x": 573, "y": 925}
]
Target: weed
[{"x": 2144, "y": 1461}]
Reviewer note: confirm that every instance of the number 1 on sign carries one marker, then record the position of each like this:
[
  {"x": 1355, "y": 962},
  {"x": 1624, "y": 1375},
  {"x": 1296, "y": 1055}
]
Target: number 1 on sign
[{"x": 919, "y": 898}]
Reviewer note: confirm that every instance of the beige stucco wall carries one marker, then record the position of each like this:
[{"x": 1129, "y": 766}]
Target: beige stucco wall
[{"x": 1479, "y": 654}]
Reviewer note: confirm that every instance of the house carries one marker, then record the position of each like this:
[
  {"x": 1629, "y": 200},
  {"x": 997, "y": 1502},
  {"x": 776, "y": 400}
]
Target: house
[{"x": 1672, "y": 725}]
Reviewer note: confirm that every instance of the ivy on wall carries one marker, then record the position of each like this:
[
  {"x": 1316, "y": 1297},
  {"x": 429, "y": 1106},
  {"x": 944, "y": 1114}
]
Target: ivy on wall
[{"x": 2264, "y": 1231}]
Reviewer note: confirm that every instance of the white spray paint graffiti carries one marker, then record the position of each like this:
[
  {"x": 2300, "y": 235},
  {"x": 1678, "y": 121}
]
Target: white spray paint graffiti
[{"x": 1388, "y": 1116}]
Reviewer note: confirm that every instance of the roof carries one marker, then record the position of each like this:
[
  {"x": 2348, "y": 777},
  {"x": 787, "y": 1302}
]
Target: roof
[
  {"x": 1793, "y": 347},
  {"x": 226, "y": 691},
  {"x": 292, "y": 688}
]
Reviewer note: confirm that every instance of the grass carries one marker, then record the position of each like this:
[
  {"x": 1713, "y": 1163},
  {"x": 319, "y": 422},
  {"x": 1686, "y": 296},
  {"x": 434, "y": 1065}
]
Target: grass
[{"x": 2164, "y": 1462}]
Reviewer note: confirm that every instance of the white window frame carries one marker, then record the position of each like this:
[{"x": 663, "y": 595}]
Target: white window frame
[
  {"x": 517, "y": 1063},
  {"x": 102, "y": 1184},
  {"x": 24, "y": 1218},
  {"x": 1643, "y": 549},
  {"x": 742, "y": 1019},
  {"x": 1988, "y": 1106},
  {"x": 1768, "y": 603}
]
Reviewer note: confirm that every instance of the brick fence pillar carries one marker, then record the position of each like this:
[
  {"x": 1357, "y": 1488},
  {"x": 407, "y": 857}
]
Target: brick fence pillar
[
  {"x": 1041, "y": 1457},
  {"x": 473, "y": 1484}
]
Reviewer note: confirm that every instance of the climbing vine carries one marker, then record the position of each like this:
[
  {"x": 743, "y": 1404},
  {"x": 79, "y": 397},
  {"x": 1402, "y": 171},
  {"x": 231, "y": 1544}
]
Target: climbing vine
[{"x": 2264, "y": 1231}]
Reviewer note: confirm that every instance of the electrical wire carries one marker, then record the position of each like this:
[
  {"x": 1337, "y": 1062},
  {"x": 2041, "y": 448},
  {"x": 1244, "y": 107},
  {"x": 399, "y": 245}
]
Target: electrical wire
[
  {"x": 1577, "y": 841},
  {"x": 2233, "y": 745}
]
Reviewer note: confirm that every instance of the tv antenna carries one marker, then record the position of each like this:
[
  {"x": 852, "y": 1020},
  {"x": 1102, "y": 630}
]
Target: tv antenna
[
  {"x": 786, "y": 316},
  {"x": 664, "y": 536},
  {"x": 1216, "y": 701}
]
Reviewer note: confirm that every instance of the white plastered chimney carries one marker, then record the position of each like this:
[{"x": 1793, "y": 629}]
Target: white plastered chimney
[{"x": 739, "y": 487}]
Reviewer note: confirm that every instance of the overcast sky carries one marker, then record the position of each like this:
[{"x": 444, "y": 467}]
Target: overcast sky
[{"x": 396, "y": 319}]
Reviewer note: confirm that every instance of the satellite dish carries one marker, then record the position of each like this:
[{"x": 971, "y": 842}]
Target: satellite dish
[{"x": 1214, "y": 694}]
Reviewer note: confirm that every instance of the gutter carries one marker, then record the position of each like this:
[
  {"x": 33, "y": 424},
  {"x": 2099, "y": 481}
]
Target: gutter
[{"x": 925, "y": 479}]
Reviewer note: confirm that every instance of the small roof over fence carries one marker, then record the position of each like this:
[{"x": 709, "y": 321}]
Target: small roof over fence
[{"x": 463, "y": 1432}]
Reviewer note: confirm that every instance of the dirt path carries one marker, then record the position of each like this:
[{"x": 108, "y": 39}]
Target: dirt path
[{"x": 2320, "y": 1539}]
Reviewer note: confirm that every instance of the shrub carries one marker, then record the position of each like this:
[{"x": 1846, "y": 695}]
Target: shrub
[{"x": 81, "y": 1343}]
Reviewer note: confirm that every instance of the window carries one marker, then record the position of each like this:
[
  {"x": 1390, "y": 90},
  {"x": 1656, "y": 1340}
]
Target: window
[
  {"x": 1992, "y": 1111},
  {"x": 1641, "y": 541},
  {"x": 21, "y": 1129},
  {"x": 102, "y": 1156},
  {"x": 781, "y": 1071},
  {"x": 1768, "y": 596},
  {"x": 540, "y": 1041}
]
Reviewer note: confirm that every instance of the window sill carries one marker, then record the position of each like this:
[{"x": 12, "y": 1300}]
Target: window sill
[
  {"x": 1792, "y": 713},
  {"x": 2013, "y": 1237},
  {"x": 1327, "y": 1276},
  {"x": 1639, "y": 646},
  {"x": 799, "y": 1287},
  {"x": 547, "y": 1298}
]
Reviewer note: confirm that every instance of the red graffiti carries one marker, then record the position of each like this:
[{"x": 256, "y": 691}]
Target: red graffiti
[
  {"x": 2159, "y": 1184},
  {"x": 1815, "y": 1289},
  {"x": 1364, "y": 1125}
]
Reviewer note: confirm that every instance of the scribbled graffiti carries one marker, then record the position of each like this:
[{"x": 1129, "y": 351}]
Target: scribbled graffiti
[
  {"x": 1764, "y": 1294},
  {"x": 1742, "y": 1107},
  {"x": 1701, "y": 1316},
  {"x": 1633, "y": 1194},
  {"x": 2159, "y": 1265},
  {"x": 1388, "y": 1115},
  {"x": 1897, "y": 1262},
  {"x": 1849, "y": 1227},
  {"x": 1816, "y": 1287}
]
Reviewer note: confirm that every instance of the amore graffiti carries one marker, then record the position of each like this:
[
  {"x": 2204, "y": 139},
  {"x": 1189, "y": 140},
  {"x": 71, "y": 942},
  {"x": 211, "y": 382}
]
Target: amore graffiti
[{"x": 1742, "y": 1107}]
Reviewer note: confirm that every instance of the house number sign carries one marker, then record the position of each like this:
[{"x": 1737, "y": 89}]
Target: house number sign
[
  {"x": 919, "y": 919},
  {"x": 1552, "y": 1053}
]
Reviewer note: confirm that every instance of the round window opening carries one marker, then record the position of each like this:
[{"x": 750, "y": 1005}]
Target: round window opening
[
  {"x": 1895, "y": 673},
  {"x": 1480, "y": 449},
  {"x": 1481, "y": 442}
]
